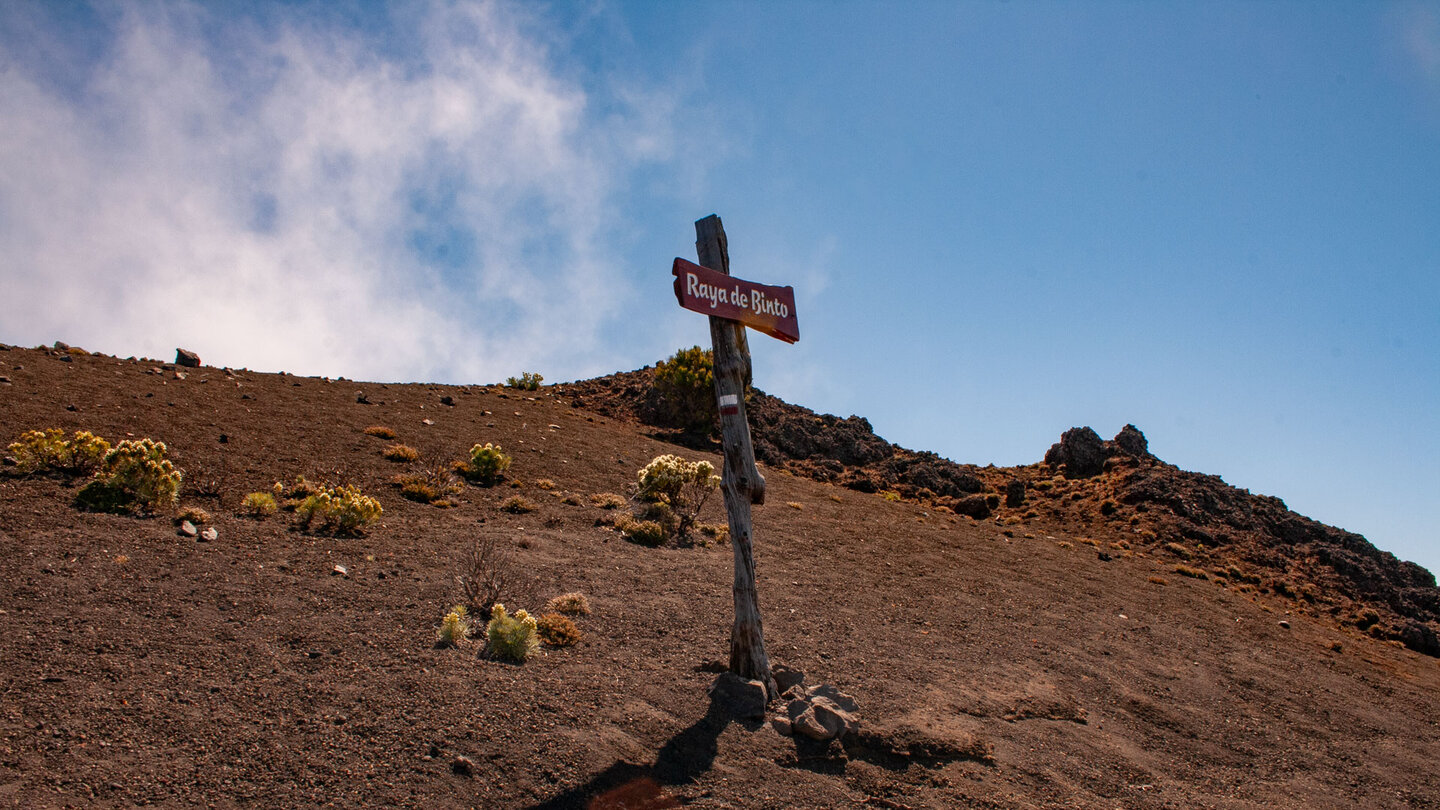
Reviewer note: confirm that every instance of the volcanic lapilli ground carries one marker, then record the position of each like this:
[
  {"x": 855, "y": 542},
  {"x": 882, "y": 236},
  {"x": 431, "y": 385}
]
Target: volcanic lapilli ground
[{"x": 1046, "y": 654}]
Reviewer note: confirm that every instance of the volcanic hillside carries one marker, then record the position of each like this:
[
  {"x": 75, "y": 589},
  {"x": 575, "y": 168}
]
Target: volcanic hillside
[{"x": 1098, "y": 629}]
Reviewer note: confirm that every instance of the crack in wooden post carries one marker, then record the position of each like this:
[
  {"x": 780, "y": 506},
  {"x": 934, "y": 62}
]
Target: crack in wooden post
[{"x": 741, "y": 481}]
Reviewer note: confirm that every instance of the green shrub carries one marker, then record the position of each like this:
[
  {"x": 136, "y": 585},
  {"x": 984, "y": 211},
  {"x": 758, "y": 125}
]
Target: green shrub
[
  {"x": 39, "y": 451},
  {"x": 527, "y": 381},
  {"x": 259, "y": 504},
  {"x": 558, "y": 631},
  {"x": 487, "y": 464},
  {"x": 573, "y": 604},
  {"x": 890, "y": 495},
  {"x": 684, "y": 386},
  {"x": 343, "y": 509},
  {"x": 134, "y": 476},
  {"x": 511, "y": 637},
  {"x": 454, "y": 628}
]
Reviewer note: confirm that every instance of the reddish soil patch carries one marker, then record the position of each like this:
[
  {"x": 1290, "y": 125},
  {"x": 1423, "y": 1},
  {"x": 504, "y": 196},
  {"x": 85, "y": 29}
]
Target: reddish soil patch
[{"x": 995, "y": 663}]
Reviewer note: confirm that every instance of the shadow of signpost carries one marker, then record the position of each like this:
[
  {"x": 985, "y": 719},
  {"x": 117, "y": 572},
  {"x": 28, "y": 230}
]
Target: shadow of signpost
[{"x": 627, "y": 786}]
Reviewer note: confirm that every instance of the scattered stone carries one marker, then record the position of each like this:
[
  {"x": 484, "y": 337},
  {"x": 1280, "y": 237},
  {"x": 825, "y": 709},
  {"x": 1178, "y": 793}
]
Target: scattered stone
[
  {"x": 62, "y": 346},
  {"x": 180, "y": 375},
  {"x": 741, "y": 697},
  {"x": 821, "y": 712},
  {"x": 187, "y": 358},
  {"x": 188, "y": 529},
  {"x": 782, "y": 725},
  {"x": 427, "y": 422},
  {"x": 1080, "y": 450},
  {"x": 224, "y": 438},
  {"x": 71, "y": 408},
  {"x": 785, "y": 677},
  {"x": 462, "y": 766},
  {"x": 65, "y": 358},
  {"x": 4, "y": 380},
  {"x": 1103, "y": 556},
  {"x": 447, "y": 400},
  {"x": 1420, "y": 638},
  {"x": 340, "y": 570},
  {"x": 1285, "y": 624},
  {"x": 361, "y": 398},
  {"x": 209, "y": 535}
]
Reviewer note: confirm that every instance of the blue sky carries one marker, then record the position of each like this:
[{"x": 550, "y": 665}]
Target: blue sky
[{"x": 1220, "y": 222}]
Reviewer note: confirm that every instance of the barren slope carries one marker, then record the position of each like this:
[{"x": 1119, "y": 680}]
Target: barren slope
[{"x": 140, "y": 667}]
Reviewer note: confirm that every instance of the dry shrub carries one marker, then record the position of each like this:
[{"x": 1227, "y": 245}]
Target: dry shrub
[
  {"x": 644, "y": 532},
  {"x": 570, "y": 500},
  {"x": 1193, "y": 573},
  {"x": 380, "y": 431},
  {"x": 607, "y": 500},
  {"x": 569, "y": 604},
  {"x": 194, "y": 514},
  {"x": 517, "y": 505},
  {"x": 1180, "y": 551},
  {"x": 795, "y": 505},
  {"x": 428, "y": 486},
  {"x": 545, "y": 484},
  {"x": 1159, "y": 581},
  {"x": 488, "y": 574},
  {"x": 558, "y": 631},
  {"x": 401, "y": 452}
]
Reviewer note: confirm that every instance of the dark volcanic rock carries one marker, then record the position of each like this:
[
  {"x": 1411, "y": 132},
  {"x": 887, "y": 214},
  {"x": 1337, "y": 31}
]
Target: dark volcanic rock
[
  {"x": 187, "y": 358},
  {"x": 1132, "y": 441},
  {"x": 1080, "y": 450},
  {"x": 1015, "y": 493}
]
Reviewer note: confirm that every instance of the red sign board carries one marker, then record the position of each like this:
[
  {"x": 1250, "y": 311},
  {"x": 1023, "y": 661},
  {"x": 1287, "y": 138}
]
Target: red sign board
[{"x": 769, "y": 309}]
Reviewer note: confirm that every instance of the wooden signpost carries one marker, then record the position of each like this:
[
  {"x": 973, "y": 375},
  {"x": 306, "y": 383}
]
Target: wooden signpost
[{"x": 733, "y": 304}]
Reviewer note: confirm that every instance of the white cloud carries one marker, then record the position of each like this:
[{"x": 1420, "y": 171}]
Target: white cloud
[{"x": 301, "y": 199}]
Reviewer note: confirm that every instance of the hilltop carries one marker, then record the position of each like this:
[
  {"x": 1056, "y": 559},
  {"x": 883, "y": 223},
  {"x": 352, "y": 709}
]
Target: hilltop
[{"x": 1098, "y": 629}]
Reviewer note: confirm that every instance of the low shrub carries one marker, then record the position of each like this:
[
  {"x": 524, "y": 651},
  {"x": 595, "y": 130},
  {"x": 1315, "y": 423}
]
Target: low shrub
[
  {"x": 517, "y": 505},
  {"x": 486, "y": 574},
  {"x": 342, "y": 510},
  {"x": 527, "y": 381},
  {"x": 569, "y": 604},
  {"x": 890, "y": 495},
  {"x": 454, "y": 628},
  {"x": 644, "y": 532},
  {"x": 259, "y": 504},
  {"x": 194, "y": 514},
  {"x": 570, "y": 500},
  {"x": 557, "y": 630},
  {"x": 487, "y": 464},
  {"x": 545, "y": 484},
  {"x": 511, "y": 637},
  {"x": 1180, "y": 551},
  {"x": 429, "y": 486},
  {"x": 714, "y": 531},
  {"x": 380, "y": 431},
  {"x": 401, "y": 452},
  {"x": 134, "y": 476},
  {"x": 1193, "y": 573},
  {"x": 795, "y": 505},
  {"x": 48, "y": 450},
  {"x": 607, "y": 500},
  {"x": 1109, "y": 507}
]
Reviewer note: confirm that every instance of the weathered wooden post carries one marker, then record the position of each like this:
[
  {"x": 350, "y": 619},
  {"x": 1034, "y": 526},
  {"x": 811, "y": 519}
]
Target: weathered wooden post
[{"x": 732, "y": 304}]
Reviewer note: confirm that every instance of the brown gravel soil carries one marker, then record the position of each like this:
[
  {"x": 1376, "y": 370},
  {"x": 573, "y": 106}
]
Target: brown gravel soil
[{"x": 995, "y": 663}]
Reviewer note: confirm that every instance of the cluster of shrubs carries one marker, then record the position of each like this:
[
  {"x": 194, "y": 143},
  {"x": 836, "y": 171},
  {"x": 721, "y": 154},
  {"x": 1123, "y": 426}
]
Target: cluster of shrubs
[
  {"x": 516, "y": 637},
  {"x": 527, "y": 381},
  {"x": 339, "y": 509},
  {"x": 133, "y": 476}
]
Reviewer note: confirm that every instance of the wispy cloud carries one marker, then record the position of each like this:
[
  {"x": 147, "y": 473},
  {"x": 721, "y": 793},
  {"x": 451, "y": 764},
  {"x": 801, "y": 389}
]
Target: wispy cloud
[{"x": 300, "y": 196}]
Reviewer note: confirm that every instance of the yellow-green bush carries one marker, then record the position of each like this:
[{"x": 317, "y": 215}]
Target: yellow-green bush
[
  {"x": 455, "y": 627},
  {"x": 487, "y": 464},
  {"x": 135, "y": 475},
  {"x": 41, "y": 450},
  {"x": 684, "y": 386},
  {"x": 511, "y": 637},
  {"x": 259, "y": 504},
  {"x": 517, "y": 505},
  {"x": 607, "y": 500},
  {"x": 527, "y": 381},
  {"x": 645, "y": 532},
  {"x": 343, "y": 509}
]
